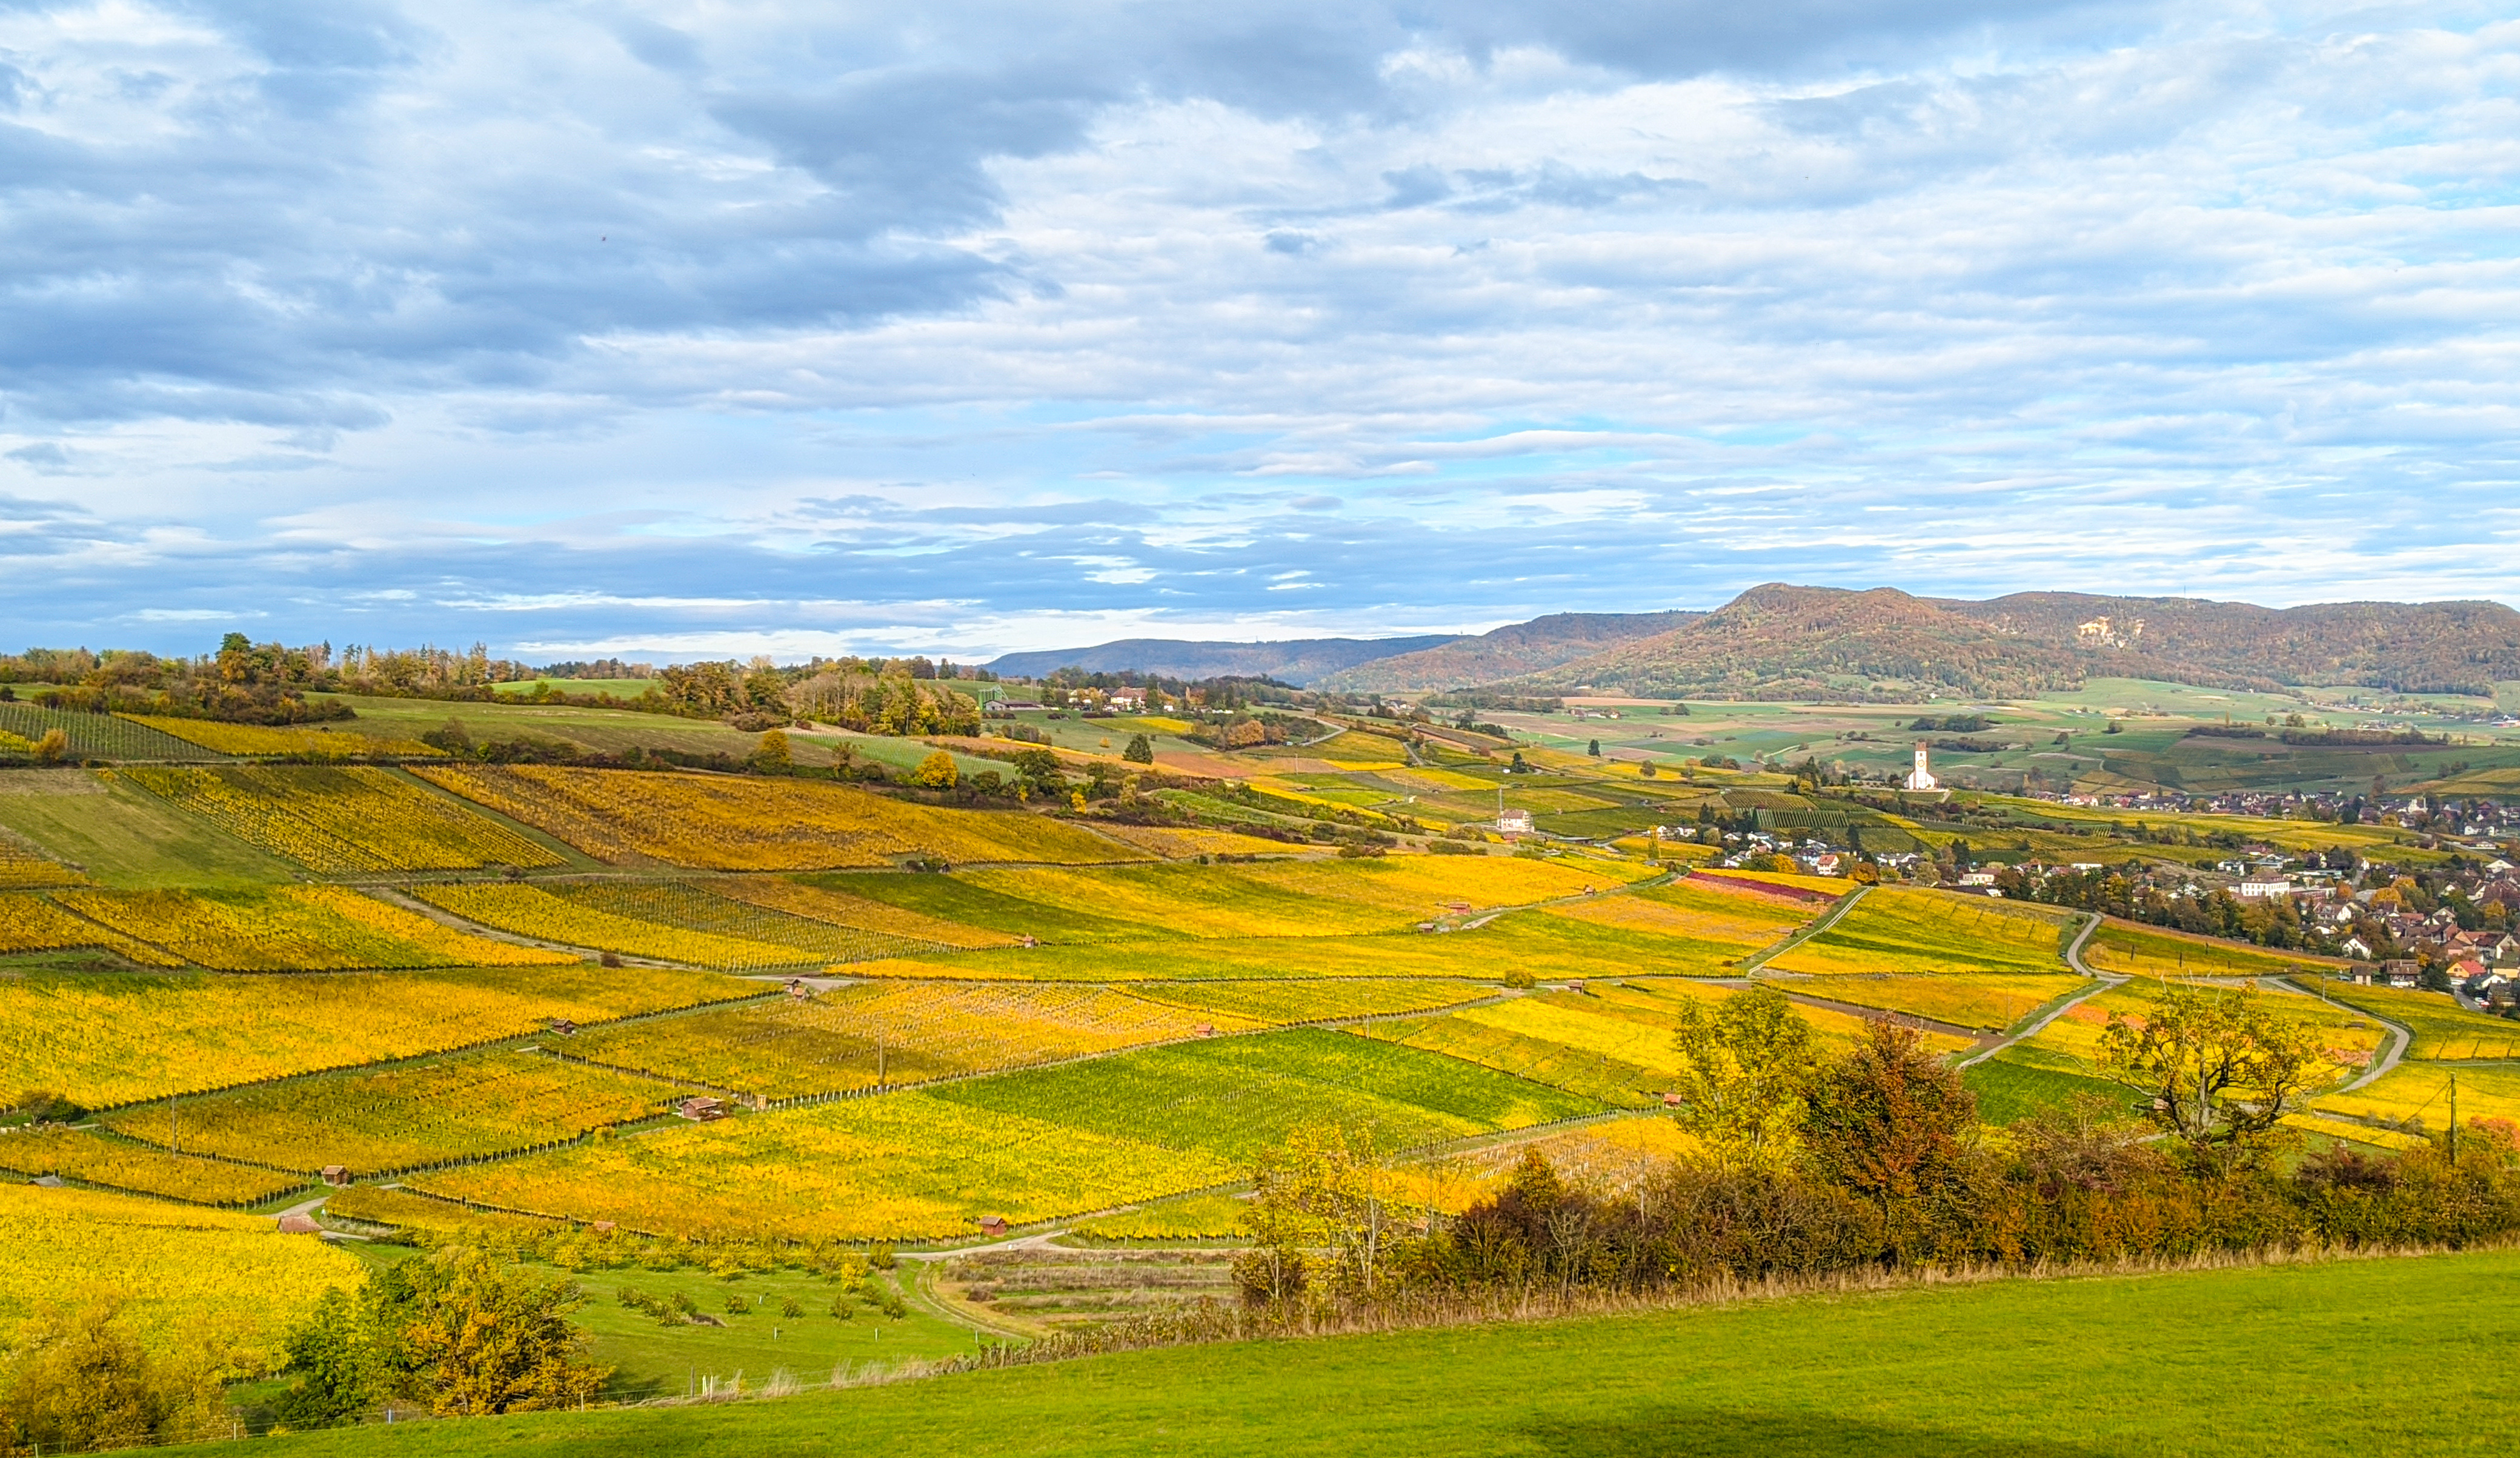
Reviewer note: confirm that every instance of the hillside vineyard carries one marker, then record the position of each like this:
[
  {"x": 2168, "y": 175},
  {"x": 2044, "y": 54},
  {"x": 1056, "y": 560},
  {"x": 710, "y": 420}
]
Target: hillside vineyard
[{"x": 1160, "y": 1011}]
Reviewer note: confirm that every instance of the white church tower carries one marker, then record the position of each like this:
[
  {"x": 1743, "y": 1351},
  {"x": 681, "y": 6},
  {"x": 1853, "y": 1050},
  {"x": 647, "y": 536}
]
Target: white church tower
[{"x": 1921, "y": 777}]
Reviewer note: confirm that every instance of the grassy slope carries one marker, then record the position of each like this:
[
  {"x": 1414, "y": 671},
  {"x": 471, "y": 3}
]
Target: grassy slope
[
  {"x": 125, "y": 836},
  {"x": 2347, "y": 1358}
]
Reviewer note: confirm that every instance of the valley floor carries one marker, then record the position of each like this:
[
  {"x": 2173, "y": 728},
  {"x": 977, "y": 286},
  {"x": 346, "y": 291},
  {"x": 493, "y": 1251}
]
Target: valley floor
[{"x": 2395, "y": 1357}]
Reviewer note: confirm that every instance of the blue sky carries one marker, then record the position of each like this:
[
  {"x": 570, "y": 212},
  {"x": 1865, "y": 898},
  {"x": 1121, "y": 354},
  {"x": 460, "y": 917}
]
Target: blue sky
[{"x": 710, "y": 329}]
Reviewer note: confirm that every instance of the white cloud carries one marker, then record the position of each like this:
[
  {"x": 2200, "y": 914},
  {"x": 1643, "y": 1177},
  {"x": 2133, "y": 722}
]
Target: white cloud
[{"x": 435, "y": 322}]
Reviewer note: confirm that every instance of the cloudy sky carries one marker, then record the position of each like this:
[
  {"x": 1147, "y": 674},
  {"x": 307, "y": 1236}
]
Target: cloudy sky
[{"x": 713, "y": 329}]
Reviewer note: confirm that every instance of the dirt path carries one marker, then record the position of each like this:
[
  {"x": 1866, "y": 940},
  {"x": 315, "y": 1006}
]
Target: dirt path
[
  {"x": 2101, "y": 982},
  {"x": 2400, "y": 1037},
  {"x": 1845, "y": 904}
]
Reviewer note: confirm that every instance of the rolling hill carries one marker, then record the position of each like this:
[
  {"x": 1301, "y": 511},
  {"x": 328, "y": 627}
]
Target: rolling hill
[
  {"x": 1297, "y": 661},
  {"x": 1509, "y": 652},
  {"x": 1780, "y": 641}
]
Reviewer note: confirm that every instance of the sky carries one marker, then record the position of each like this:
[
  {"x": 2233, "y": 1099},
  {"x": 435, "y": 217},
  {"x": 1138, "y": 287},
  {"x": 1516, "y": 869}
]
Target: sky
[{"x": 723, "y": 328}]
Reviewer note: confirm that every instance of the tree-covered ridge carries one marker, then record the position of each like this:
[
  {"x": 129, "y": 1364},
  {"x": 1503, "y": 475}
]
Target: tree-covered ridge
[{"x": 1779, "y": 641}]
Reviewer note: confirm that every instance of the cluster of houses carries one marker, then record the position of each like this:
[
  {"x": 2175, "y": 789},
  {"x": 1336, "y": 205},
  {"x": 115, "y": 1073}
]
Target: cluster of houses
[{"x": 2469, "y": 824}]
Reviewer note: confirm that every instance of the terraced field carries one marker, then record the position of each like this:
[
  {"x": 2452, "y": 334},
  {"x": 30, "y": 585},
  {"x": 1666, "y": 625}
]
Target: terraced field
[
  {"x": 724, "y": 822},
  {"x": 1234, "y": 1098},
  {"x": 342, "y": 819},
  {"x": 859, "y": 1036},
  {"x": 182, "y": 1273},
  {"x": 98, "y": 735},
  {"x": 894, "y": 1166},
  {"x": 2443, "y": 1030},
  {"x": 1310, "y": 1002},
  {"x": 2151, "y": 952},
  {"x": 1895, "y": 930},
  {"x": 83, "y": 1155},
  {"x": 407, "y": 1115},
  {"x": 290, "y": 928},
  {"x": 1710, "y": 928},
  {"x": 319, "y": 742},
  {"x": 104, "y": 1039}
]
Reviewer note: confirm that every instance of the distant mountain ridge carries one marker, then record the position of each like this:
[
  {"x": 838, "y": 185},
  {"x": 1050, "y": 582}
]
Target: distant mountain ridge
[
  {"x": 1781, "y": 641},
  {"x": 1511, "y": 652},
  {"x": 1297, "y": 661}
]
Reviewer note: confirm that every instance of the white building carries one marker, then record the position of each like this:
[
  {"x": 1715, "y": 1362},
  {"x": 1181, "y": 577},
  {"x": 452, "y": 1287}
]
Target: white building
[{"x": 1921, "y": 777}]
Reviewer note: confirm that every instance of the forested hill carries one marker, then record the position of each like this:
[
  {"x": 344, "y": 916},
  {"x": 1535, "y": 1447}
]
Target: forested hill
[
  {"x": 1299, "y": 661},
  {"x": 1780, "y": 641},
  {"x": 1509, "y": 652}
]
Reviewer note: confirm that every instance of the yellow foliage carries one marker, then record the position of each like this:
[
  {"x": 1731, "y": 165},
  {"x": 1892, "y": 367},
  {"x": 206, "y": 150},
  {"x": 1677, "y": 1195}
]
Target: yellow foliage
[
  {"x": 737, "y": 823},
  {"x": 321, "y": 741},
  {"x": 857, "y": 913},
  {"x": 337, "y": 819},
  {"x": 917, "y": 1032},
  {"x": 82, "y": 1154},
  {"x": 187, "y": 1276},
  {"x": 21, "y": 866},
  {"x": 1175, "y": 843},
  {"x": 894, "y": 1166},
  {"x": 110, "y": 1040},
  {"x": 531, "y": 911},
  {"x": 290, "y": 929},
  {"x": 408, "y": 1114},
  {"x": 30, "y": 923}
]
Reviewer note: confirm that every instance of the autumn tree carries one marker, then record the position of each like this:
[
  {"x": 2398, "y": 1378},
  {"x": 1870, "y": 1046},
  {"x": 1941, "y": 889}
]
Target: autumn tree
[
  {"x": 1320, "y": 1193},
  {"x": 53, "y": 748},
  {"x": 474, "y": 1335},
  {"x": 937, "y": 772},
  {"x": 1891, "y": 1122},
  {"x": 2218, "y": 1068},
  {"x": 773, "y": 752},
  {"x": 77, "y": 1381},
  {"x": 1744, "y": 1070}
]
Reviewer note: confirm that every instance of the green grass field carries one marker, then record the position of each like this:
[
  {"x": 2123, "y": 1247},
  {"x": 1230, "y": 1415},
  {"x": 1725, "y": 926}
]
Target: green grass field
[
  {"x": 2348, "y": 1358},
  {"x": 124, "y": 836}
]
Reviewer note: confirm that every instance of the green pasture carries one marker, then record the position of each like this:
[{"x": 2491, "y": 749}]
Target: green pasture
[
  {"x": 651, "y": 1359},
  {"x": 2009, "y": 1089},
  {"x": 2344, "y": 1359},
  {"x": 604, "y": 731},
  {"x": 123, "y": 836}
]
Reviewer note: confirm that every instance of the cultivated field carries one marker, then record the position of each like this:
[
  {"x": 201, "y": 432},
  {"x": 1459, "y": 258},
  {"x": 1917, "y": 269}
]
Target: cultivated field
[
  {"x": 1895, "y": 930},
  {"x": 188, "y": 1278},
  {"x": 233, "y": 958},
  {"x": 718, "y": 823}
]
